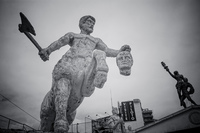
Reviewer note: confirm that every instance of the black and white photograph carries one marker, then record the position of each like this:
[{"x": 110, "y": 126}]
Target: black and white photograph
[{"x": 67, "y": 65}]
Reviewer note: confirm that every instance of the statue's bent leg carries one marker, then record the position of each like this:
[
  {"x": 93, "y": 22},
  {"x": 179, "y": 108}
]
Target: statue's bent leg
[
  {"x": 61, "y": 95},
  {"x": 178, "y": 87},
  {"x": 190, "y": 99},
  {"x": 71, "y": 117},
  {"x": 47, "y": 114},
  {"x": 182, "y": 101},
  {"x": 101, "y": 68}
]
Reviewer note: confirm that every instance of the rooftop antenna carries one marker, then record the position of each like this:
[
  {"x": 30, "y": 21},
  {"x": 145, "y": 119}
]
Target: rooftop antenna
[{"x": 111, "y": 98}]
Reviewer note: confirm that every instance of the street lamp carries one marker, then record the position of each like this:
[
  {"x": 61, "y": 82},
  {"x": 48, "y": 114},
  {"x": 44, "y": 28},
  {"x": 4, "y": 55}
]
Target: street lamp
[
  {"x": 89, "y": 117},
  {"x": 107, "y": 113},
  {"x": 98, "y": 116}
]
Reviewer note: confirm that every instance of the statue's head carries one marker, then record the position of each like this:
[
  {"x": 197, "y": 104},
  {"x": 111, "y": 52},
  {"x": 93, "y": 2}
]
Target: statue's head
[
  {"x": 124, "y": 62},
  {"x": 86, "y": 24},
  {"x": 114, "y": 111},
  {"x": 176, "y": 73}
]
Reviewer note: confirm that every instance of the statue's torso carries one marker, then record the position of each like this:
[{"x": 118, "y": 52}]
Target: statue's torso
[
  {"x": 179, "y": 78},
  {"x": 74, "y": 63},
  {"x": 78, "y": 57}
]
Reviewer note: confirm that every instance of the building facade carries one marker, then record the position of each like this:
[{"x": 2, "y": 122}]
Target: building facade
[
  {"x": 133, "y": 114},
  {"x": 185, "y": 120}
]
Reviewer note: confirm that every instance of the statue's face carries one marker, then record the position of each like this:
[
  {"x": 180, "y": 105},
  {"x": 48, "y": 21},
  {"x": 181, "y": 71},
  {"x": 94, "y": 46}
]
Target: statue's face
[
  {"x": 88, "y": 26},
  {"x": 124, "y": 62}
]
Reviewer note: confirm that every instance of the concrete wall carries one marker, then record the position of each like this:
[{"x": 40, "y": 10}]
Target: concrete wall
[
  {"x": 185, "y": 120},
  {"x": 138, "y": 114}
]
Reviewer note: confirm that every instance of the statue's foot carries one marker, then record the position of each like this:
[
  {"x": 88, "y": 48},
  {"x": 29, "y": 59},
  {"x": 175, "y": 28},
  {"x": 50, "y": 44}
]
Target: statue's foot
[{"x": 61, "y": 126}]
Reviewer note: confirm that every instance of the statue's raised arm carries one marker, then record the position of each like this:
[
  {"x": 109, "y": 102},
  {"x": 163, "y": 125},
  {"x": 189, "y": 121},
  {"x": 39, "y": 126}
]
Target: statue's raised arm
[{"x": 64, "y": 40}]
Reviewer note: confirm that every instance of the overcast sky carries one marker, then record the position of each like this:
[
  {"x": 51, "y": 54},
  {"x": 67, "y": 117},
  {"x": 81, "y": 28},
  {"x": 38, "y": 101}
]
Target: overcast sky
[{"x": 156, "y": 30}]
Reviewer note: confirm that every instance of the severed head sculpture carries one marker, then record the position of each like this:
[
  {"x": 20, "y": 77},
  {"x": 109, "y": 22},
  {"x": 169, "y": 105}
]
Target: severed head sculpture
[{"x": 124, "y": 62}]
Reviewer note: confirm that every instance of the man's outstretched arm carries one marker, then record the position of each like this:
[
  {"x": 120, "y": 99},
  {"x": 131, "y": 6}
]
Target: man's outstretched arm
[{"x": 111, "y": 52}]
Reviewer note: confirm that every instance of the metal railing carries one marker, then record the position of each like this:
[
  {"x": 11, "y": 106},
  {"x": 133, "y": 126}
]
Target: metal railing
[
  {"x": 81, "y": 128},
  {"x": 7, "y": 123}
]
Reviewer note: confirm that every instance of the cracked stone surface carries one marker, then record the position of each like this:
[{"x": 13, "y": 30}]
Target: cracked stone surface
[{"x": 82, "y": 68}]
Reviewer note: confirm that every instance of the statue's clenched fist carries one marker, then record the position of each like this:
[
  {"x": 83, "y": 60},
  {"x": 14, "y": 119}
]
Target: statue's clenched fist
[
  {"x": 125, "y": 48},
  {"x": 44, "y": 55}
]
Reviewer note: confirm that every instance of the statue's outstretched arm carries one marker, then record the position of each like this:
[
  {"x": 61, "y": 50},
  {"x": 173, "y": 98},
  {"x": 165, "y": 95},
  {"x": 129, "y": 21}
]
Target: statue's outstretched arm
[{"x": 109, "y": 52}]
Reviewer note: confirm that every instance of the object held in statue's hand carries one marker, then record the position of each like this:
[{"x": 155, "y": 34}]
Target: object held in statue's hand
[{"x": 124, "y": 61}]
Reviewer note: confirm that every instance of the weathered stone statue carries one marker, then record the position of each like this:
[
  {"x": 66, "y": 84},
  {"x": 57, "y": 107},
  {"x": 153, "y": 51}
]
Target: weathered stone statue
[
  {"x": 82, "y": 68},
  {"x": 178, "y": 77},
  {"x": 186, "y": 93},
  {"x": 116, "y": 123}
]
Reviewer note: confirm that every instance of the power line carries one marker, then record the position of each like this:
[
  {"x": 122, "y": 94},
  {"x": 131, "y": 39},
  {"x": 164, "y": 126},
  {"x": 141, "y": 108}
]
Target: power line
[{"x": 20, "y": 108}]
